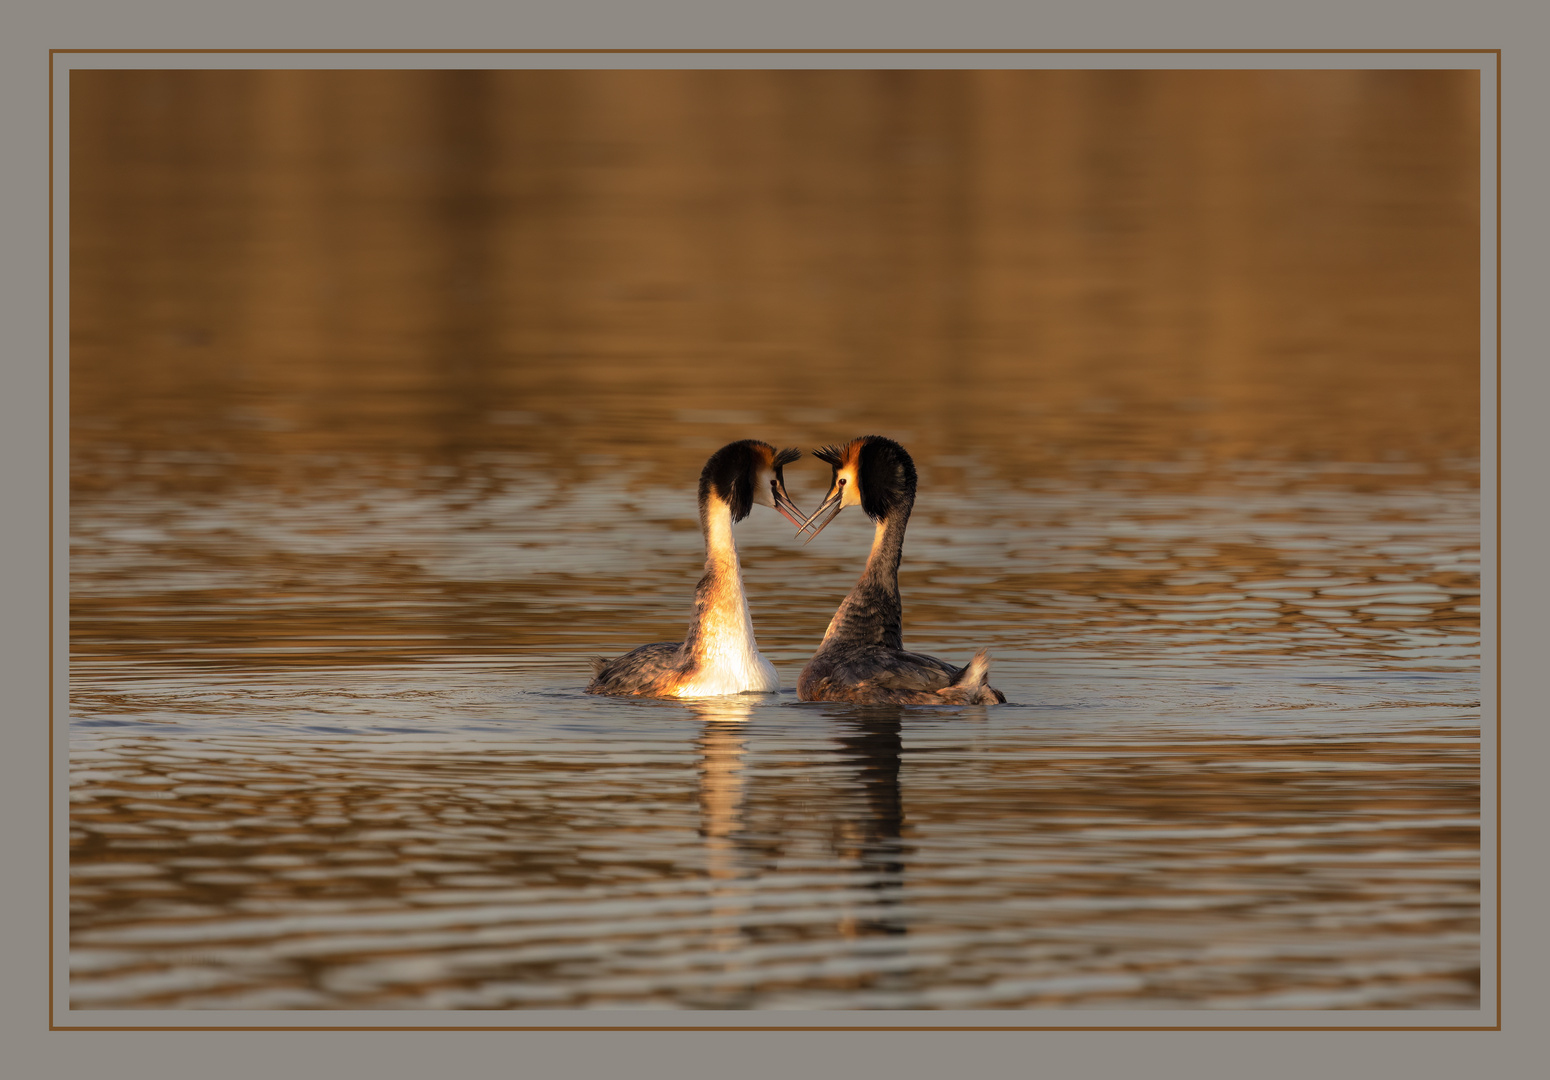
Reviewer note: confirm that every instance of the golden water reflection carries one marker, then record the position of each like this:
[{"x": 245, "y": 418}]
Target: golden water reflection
[
  {"x": 276, "y": 275},
  {"x": 388, "y": 394},
  {"x": 826, "y": 861}
]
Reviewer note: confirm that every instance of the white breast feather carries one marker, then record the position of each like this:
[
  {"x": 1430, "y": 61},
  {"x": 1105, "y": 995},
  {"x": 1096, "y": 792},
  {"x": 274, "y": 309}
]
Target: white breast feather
[{"x": 730, "y": 662}]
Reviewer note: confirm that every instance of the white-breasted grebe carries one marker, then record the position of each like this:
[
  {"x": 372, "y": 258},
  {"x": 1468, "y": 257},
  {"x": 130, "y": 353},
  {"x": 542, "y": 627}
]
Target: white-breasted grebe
[
  {"x": 719, "y": 654},
  {"x": 862, "y": 656}
]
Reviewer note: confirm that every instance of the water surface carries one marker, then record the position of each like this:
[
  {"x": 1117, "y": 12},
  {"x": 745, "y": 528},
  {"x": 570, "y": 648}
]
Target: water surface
[{"x": 388, "y": 396}]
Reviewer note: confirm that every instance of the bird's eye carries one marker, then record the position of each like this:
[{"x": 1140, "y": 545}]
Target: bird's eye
[{"x": 842, "y": 481}]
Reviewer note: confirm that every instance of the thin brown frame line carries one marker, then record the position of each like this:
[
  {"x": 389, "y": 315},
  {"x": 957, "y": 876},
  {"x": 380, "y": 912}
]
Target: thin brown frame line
[
  {"x": 1496, "y": 53},
  {"x": 741, "y": 1027},
  {"x": 1497, "y": 284},
  {"x": 51, "y": 748},
  {"x": 789, "y": 52}
]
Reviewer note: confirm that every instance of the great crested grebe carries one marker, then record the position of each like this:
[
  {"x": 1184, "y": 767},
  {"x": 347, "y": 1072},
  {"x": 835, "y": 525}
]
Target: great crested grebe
[
  {"x": 719, "y": 655},
  {"x": 862, "y": 656}
]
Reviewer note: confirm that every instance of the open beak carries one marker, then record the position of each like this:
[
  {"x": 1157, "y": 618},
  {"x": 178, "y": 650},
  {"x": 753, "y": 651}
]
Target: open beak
[
  {"x": 829, "y": 508},
  {"x": 785, "y": 506}
]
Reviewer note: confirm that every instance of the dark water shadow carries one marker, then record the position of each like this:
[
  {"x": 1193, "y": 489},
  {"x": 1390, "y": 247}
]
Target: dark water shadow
[
  {"x": 862, "y": 811},
  {"x": 870, "y": 741}
]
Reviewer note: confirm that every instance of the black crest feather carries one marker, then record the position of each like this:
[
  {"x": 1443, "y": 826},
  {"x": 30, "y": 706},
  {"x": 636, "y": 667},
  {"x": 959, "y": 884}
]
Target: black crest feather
[
  {"x": 729, "y": 475},
  {"x": 832, "y": 454},
  {"x": 886, "y": 473}
]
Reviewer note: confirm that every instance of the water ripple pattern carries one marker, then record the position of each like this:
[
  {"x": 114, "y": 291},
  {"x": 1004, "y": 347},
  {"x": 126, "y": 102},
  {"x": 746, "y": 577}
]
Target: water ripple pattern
[
  {"x": 389, "y": 392},
  {"x": 777, "y": 856}
]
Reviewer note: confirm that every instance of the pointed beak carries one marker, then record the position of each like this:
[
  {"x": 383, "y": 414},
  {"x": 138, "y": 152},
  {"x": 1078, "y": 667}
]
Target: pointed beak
[
  {"x": 829, "y": 508},
  {"x": 785, "y": 506}
]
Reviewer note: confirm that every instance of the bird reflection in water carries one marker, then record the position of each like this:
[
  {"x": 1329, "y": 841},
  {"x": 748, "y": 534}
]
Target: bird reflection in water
[
  {"x": 861, "y": 818},
  {"x": 721, "y": 746},
  {"x": 871, "y": 831}
]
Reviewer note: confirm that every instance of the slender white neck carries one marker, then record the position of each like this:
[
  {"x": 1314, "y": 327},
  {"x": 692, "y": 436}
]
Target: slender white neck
[
  {"x": 728, "y": 655},
  {"x": 720, "y": 547},
  {"x": 726, "y": 624}
]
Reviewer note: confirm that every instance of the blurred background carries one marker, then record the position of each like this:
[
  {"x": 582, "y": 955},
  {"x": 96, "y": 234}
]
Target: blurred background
[
  {"x": 1037, "y": 268},
  {"x": 389, "y": 391},
  {"x": 361, "y": 288}
]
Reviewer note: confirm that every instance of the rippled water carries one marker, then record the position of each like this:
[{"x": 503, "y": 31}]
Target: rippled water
[{"x": 388, "y": 395}]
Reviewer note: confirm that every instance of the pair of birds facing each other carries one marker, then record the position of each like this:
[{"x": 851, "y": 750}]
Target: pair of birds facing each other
[{"x": 862, "y": 657}]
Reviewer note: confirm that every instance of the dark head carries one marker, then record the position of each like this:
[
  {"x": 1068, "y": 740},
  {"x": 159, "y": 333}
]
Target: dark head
[
  {"x": 872, "y": 472},
  {"x": 747, "y": 472}
]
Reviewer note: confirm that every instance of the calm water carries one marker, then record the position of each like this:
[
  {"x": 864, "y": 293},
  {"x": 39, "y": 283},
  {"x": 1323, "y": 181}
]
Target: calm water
[{"x": 388, "y": 396}]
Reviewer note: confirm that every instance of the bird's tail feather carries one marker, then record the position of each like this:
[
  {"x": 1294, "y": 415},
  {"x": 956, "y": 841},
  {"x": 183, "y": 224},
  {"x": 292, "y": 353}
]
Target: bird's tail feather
[
  {"x": 976, "y": 671},
  {"x": 967, "y": 686}
]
